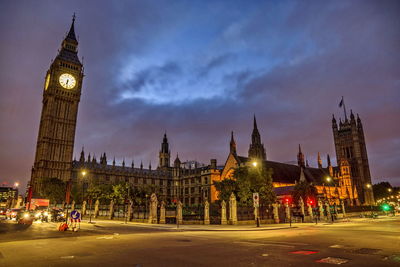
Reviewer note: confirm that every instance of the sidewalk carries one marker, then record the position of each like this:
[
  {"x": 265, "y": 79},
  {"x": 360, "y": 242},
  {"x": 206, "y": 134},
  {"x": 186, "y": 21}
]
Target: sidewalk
[
  {"x": 193, "y": 227},
  {"x": 238, "y": 227}
]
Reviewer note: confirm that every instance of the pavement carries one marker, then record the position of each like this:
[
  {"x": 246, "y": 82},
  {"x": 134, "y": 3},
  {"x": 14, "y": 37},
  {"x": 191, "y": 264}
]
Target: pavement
[{"x": 355, "y": 242}]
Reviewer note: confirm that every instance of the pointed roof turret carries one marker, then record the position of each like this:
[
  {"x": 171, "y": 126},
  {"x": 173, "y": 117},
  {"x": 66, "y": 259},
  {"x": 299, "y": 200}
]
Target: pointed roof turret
[
  {"x": 352, "y": 118},
  {"x": 104, "y": 159},
  {"x": 141, "y": 165},
  {"x": 71, "y": 33},
  {"x": 359, "y": 124},
  {"x": 133, "y": 164},
  {"x": 69, "y": 47},
  {"x": 232, "y": 145},
  {"x": 82, "y": 158},
  {"x": 123, "y": 162},
  {"x": 328, "y": 158},
  {"x": 300, "y": 158},
  {"x": 164, "y": 144},
  {"x": 150, "y": 165},
  {"x": 255, "y": 122},
  {"x": 302, "y": 176},
  {"x": 177, "y": 161},
  {"x": 113, "y": 162},
  {"x": 319, "y": 161},
  {"x": 256, "y": 149}
]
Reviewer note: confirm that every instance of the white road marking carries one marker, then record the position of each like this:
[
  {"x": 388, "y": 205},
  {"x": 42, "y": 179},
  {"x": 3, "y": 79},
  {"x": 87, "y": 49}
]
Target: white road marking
[
  {"x": 333, "y": 260},
  {"x": 67, "y": 257},
  {"x": 336, "y": 246},
  {"x": 263, "y": 244},
  {"x": 105, "y": 237}
]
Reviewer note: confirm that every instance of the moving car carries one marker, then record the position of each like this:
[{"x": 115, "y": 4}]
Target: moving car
[
  {"x": 26, "y": 218},
  {"x": 3, "y": 211},
  {"x": 13, "y": 213},
  {"x": 42, "y": 214}
]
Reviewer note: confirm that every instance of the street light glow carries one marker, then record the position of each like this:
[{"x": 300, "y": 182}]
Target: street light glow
[
  {"x": 368, "y": 185},
  {"x": 328, "y": 179},
  {"x": 16, "y": 184},
  {"x": 255, "y": 163},
  {"x": 83, "y": 173}
]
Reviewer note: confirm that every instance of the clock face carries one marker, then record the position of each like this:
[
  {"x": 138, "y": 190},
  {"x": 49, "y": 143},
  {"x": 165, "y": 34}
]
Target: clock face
[
  {"x": 67, "y": 81},
  {"x": 46, "y": 85}
]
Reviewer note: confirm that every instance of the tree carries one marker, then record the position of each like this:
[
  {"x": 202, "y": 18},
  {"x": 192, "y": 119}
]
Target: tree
[
  {"x": 383, "y": 190},
  {"x": 305, "y": 190},
  {"x": 254, "y": 180},
  {"x": 54, "y": 190},
  {"x": 120, "y": 192},
  {"x": 245, "y": 182},
  {"x": 225, "y": 188}
]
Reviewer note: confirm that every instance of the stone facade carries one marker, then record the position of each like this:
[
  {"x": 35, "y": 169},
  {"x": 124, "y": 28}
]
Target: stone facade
[
  {"x": 61, "y": 96},
  {"x": 350, "y": 146}
]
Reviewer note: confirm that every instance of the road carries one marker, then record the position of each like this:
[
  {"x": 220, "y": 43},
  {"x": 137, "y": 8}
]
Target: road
[{"x": 360, "y": 242}]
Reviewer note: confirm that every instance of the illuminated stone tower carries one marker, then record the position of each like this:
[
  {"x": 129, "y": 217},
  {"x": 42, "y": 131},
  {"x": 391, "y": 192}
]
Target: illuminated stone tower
[
  {"x": 61, "y": 95},
  {"x": 256, "y": 149},
  {"x": 350, "y": 146}
]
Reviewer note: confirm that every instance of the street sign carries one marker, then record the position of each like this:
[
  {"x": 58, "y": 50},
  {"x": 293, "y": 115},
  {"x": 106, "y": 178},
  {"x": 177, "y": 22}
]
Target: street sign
[
  {"x": 256, "y": 200},
  {"x": 75, "y": 215}
]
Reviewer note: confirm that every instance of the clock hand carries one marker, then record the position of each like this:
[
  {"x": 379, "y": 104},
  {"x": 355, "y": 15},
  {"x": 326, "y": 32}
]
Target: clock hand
[{"x": 67, "y": 81}]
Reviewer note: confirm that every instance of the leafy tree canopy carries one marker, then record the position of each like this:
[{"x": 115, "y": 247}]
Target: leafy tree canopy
[
  {"x": 54, "y": 190},
  {"x": 245, "y": 182},
  {"x": 305, "y": 190},
  {"x": 384, "y": 189}
]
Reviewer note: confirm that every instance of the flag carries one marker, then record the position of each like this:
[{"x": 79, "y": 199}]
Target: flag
[{"x": 341, "y": 103}]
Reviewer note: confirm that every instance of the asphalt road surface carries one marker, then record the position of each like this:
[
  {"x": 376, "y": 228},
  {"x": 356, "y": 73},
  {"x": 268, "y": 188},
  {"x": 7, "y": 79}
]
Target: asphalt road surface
[{"x": 360, "y": 242}]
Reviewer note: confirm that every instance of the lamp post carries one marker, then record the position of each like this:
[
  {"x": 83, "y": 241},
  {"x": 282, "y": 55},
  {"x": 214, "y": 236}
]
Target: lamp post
[
  {"x": 83, "y": 185},
  {"x": 328, "y": 180},
  {"x": 256, "y": 205},
  {"x": 369, "y": 187}
]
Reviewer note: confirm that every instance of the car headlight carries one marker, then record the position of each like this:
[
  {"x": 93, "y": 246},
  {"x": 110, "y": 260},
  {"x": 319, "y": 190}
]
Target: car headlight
[
  {"x": 46, "y": 213},
  {"x": 37, "y": 215},
  {"x": 26, "y": 215},
  {"x": 62, "y": 214}
]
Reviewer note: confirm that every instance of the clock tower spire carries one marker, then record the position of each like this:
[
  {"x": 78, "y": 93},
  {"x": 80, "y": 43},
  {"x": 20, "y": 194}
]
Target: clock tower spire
[{"x": 61, "y": 96}]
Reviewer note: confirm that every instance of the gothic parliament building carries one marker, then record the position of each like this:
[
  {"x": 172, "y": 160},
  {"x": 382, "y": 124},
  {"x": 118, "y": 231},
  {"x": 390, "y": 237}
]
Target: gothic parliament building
[{"x": 189, "y": 182}]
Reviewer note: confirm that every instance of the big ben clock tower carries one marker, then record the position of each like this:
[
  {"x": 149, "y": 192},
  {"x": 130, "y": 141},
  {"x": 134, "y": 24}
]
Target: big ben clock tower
[{"x": 61, "y": 95}]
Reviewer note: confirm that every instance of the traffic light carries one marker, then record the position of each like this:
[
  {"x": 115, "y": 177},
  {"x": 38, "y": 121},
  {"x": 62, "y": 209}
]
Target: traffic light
[{"x": 385, "y": 207}]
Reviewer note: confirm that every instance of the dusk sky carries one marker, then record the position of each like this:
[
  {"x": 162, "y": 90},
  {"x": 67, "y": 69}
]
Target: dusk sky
[{"x": 199, "y": 70}]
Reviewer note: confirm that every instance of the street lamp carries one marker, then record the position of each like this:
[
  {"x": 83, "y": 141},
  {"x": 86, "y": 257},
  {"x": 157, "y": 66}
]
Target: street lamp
[
  {"x": 389, "y": 189},
  {"x": 368, "y": 185},
  {"x": 16, "y": 184},
  {"x": 254, "y": 163}
]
